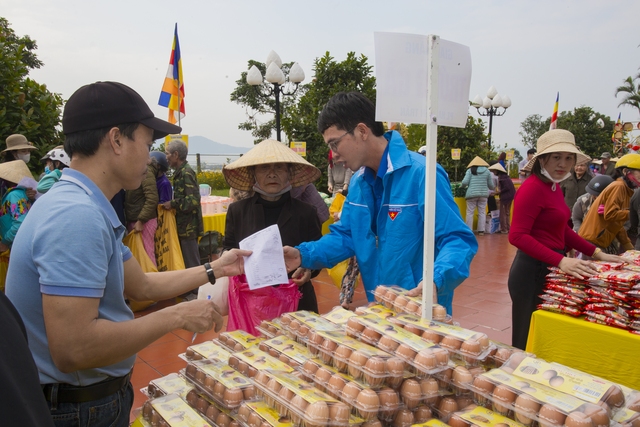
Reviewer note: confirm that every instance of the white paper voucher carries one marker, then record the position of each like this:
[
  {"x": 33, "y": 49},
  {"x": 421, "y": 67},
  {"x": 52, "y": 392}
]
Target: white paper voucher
[{"x": 265, "y": 266}]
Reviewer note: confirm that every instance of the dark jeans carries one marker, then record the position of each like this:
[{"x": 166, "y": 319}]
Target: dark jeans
[
  {"x": 308, "y": 301},
  {"x": 111, "y": 411},
  {"x": 526, "y": 281},
  {"x": 190, "y": 253}
]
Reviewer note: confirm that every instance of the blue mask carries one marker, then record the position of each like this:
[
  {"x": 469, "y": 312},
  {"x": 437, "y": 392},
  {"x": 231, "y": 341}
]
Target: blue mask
[{"x": 46, "y": 170}]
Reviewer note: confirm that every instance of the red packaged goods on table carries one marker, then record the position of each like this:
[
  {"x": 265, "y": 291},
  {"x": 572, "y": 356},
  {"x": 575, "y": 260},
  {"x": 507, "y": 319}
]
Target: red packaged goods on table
[
  {"x": 632, "y": 256},
  {"x": 564, "y": 298},
  {"x": 560, "y": 308},
  {"x": 627, "y": 277},
  {"x": 569, "y": 290},
  {"x": 553, "y": 299},
  {"x": 606, "y": 321},
  {"x": 600, "y": 306}
]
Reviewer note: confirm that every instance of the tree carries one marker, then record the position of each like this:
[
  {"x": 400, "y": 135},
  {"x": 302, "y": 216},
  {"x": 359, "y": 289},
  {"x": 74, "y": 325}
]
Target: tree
[
  {"x": 631, "y": 92},
  {"x": 260, "y": 101},
  {"x": 331, "y": 77},
  {"x": 26, "y": 107},
  {"x": 532, "y": 127}
]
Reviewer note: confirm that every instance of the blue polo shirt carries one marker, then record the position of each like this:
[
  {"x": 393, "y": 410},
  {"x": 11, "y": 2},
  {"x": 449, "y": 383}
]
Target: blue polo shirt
[{"x": 70, "y": 244}]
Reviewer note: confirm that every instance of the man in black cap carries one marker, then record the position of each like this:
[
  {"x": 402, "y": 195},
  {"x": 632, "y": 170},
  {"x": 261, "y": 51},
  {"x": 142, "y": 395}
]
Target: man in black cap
[
  {"x": 69, "y": 268},
  {"x": 607, "y": 167}
]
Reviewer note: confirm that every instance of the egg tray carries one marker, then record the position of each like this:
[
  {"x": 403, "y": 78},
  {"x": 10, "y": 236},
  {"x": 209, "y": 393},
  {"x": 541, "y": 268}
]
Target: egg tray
[
  {"x": 458, "y": 379},
  {"x": 286, "y": 350},
  {"x": 501, "y": 354},
  {"x": 479, "y": 416},
  {"x": 172, "y": 383},
  {"x": 301, "y": 402},
  {"x": 297, "y": 325},
  {"x": 376, "y": 368},
  {"x": 328, "y": 379},
  {"x": 259, "y": 414},
  {"x": 237, "y": 340},
  {"x": 221, "y": 383},
  {"x": 468, "y": 346},
  {"x": 581, "y": 385},
  {"x": 211, "y": 350},
  {"x": 375, "y": 308},
  {"x": 270, "y": 329},
  {"x": 171, "y": 411},
  {"x": 249, "y": 362},
  {"x": 209, "y": 410},
  {"x": 338, "y": 315},
  {"x": 630, "y": 412},
  {"x": 528, "y": 402},
  {"x": 396, "y": 299},
  {"x": 422, "y": 358}
]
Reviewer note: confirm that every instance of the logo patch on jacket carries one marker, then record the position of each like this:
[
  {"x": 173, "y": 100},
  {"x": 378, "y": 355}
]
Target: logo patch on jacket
[{"x": 393, "y": 213}]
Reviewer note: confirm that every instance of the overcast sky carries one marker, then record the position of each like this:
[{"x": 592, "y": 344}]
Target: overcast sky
[{"x": 528, "y": 50}]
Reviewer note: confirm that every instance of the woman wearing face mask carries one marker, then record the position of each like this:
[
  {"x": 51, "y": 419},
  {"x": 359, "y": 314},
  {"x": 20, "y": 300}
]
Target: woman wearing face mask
[
  {"x": 605, "y": 220},
  {"x": 540, "y": 230},
  {"x": 18, "y": 148}
]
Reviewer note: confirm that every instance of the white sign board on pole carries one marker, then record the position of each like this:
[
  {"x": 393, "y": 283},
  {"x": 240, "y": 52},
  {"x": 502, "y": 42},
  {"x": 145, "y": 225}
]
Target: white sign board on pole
[
  {"x": 401, "y": 80},
  {"x": 423, "y": 79}
]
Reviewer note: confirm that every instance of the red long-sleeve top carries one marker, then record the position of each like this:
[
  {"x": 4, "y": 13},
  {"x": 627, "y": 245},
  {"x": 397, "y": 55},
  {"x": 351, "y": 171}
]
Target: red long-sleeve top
[{"x": 540, "y": 227}]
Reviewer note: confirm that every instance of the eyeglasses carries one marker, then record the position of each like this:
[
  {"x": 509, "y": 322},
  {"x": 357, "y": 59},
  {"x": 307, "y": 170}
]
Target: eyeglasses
[{"x": 333, "y": 145}]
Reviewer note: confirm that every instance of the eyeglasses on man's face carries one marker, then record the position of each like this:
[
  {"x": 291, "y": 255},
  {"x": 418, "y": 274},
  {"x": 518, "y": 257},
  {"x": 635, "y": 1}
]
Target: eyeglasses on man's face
[{"x": 333, "y": 144}]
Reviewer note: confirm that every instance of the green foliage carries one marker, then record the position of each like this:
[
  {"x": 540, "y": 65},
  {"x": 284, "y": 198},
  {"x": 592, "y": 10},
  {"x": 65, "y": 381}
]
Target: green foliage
[
  {"x": 26, "y": 107},
  {"x": 591, "y": 138},
  {"x": 631, "y": 92},
  {"x": 215, "y": 180},
  {"x": 331, "y": 77}
]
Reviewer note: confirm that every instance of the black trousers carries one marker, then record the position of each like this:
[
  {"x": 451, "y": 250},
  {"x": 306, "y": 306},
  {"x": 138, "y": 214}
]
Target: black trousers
[
  {"x": 526, "y": 281},
  {"x": 308, "y": 301}
]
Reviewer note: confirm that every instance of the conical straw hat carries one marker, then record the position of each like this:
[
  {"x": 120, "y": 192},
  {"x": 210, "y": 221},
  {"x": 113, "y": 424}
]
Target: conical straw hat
[
  {"x": 240, "y": 177},
  {"x": 557, "y": 141},
  {"x": 15, "y": 171},
  {"x": 497, "y": 167},
  {"x": 477, "y": 161}
]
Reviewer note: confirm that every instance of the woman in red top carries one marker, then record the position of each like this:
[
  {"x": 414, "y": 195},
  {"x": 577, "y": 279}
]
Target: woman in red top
[{"x": 540, "y": 230}]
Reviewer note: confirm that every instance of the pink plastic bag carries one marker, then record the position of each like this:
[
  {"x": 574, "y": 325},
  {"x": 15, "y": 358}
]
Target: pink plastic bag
[{"x": 248, "y": 308}]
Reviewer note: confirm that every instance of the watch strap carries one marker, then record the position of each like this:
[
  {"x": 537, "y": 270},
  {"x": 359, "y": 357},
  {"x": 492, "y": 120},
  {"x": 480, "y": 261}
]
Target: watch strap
[{"x": 209, "y": 270}]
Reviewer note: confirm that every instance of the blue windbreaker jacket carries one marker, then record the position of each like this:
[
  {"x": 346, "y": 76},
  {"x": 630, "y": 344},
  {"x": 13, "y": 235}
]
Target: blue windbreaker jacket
[{"x": 395, "y": 255}]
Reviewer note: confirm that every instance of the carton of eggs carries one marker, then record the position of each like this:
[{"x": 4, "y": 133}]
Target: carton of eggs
[
  {"x": 171, "y": 410},
  {"x": 259, "y": 414},
  {"x": 172, "y": 383},
  {"x": 211, "y": 350},
  {"x": 299, "y": 324},
  {"x": 221, "y": 383},
  {"x": 210, "y": 410},
  {"x": 270, "y": 329},
  {"x": 238, "y": 340},
  {"x": 396, "y": 299},
  {"x": 286, "y": 350},
  {"x": 250, "y": 362},
  {"x": 475, "y": 415}
]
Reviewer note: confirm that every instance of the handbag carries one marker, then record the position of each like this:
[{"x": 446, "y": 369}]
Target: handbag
[
  {"x": 168, "y": 252},
  {"x": 133, "y": 241}
]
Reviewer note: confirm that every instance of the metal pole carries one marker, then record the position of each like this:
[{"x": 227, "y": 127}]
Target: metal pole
[
  {"x": 276, "y": 89},
  {"x": 198, "y": 168},
  {"x": 491, "y": 112}
]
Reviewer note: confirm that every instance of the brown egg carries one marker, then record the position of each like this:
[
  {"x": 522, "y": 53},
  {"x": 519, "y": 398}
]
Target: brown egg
[
  {"x": 431, "y": 336},
  {"x": 285, "y": 319},
  {"x": 223, "y": 420},
  {"x": 303, "y": 330},
  {"x": 374, "y": 371},
  {"x": 413, "y": 307},
  {"x": 395, "y": 371},
  {"x": 273, "y": 386},
  {"x": 309, "y": 369},
  {"x": 355, "y": 326},
  {"x": 390, "y": 298},
  {"x": 336, "y": 385},
  {"x": 212, "y": 412},
  {"x": 238, "y": 347},
  {"x": 471, "y": 347},
  {"x": 350, "y": 392},
  {"x": 447, "y": 406},
  {"x": 426, "y": 360},
  {"x": 550, "y": 416},
  {"x": 286, "y": 395},
  {"x": 461, "y": 379},
  {"x": 388, "y": 344},
  {"x": 262, "y": 378},
  {"x": 526, "y": 409},
  {"x": 456, "y": 421},
  {"x": 284, "y": 359},
  {"x": 411, "y": 393},
  {"x": 262, "y": 346},
  {"x": 370, "y": 336},
  {"x": 429, "y": 388},
  {"x": 413, "y": 329},
  {"x": 465, "y": 402},
  {"x": 503, "y": 398},
  {"x": 317, "y": 413},
  {"x": 323, "y": 375},
  {"x": 422, "y": 414},
  {"x": 298, "y": 404},
  {"x": 202, "y": 405},
  {"x": 192, "y": 398},
  {"x": 341, "y": 357},
  {"x": 367, "y": 404},
  {"x": 405, "y": 352},
  {"x": 599, "y": 416},
  {"x": 516, "y": 358},
  {"x": 243, "y": 367},
  {"x": 314, "y": 342},
  {"x": 254, "y": 420},
  {"x": 578, "y": 419},
  {"x": 379, "y": 293},
  {"x": 328, "y": 347},
  {"x": 442, "y": 355},
  {"x": 400, "y": 303},
  {"x": 294, "y": 325},
  {"x": 339, "y": 413},
  {"x": 404, "y": 418},
  {"x": 200, "y": 377},
  {"x": 451, "y": 343},
  {"x": 273, "y": 352},
  {"x": 243, "y": 412},
  {"x": 155, "y": 418},
  {"x": 218, "y": 390},
  {"x": 438, "y": 312},
  {"x": 389, "y": 403},
  {"x": 502, "y": 354},
  {"x": 357, "y": 361},
  {"x": 614, "y": 397},
  {"x": 444, "y": 378},
  {"x": 233, "y": 362},
  {"x": 209, "y": 384}
]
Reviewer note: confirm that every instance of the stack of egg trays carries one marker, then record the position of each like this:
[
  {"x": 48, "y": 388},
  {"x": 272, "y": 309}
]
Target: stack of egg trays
[
  {"x": 210, "y": 410},
  {"x": 212, "y": 350},
  {"x": 301, "y": 402},
  {"x": 270, "y": 329},
  {"x": 299, "y": 324},
  {"x": 286, "y": 350},
  {"x": 237, "y": 340},
  {"x": 252, "y": 414},
  {"x": 338, "y": 315},
  {"x": 479, "y": 416},
  {"x": 171, "y": 411},
  {"x": 422, "y": 358},
  {"x": 220, "y": 383},
  {"x": 528, "y": 402},
  {"x": 469, "y": 347},
  {"x": 172, "y": 383},
  {"x": 382, "y": 403},
  {"x": 501, "y": 354},
  {"x": 395, "y": 298},
  {"x": 249, "y": 362},
  {"x": 375, "y": 367}
]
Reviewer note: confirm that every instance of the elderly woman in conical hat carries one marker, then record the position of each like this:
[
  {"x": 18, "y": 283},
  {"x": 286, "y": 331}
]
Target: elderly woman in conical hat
[
  {"x": 479, "y": 183},
  {"x": 270, "y": 169},
  {"x": 541, "y": 232},
  {"x": 15, "y": 203}
]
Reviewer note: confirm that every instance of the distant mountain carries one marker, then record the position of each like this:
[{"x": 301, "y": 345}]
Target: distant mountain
[{"x": 202, "y": 145}]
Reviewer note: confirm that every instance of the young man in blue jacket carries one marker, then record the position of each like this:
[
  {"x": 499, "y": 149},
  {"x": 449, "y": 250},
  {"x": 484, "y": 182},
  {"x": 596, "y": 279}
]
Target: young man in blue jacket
[{"x": 382, "y": 220}]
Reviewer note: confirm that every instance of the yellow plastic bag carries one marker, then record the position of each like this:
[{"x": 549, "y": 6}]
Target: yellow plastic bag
[
  {"x": 168, "y": 252},
  {"x": 337, "y": 272},
  {"x": 336, "y": 205},
  {"x": 4, "y": 266},
  {"x": 133, "y": 240}
]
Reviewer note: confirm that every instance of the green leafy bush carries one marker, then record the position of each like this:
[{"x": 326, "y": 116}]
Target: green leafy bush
[{"x": 215, "y": 180}]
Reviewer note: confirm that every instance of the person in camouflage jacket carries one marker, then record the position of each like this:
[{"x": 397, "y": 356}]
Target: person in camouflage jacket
[{"x": 186, "y": 202}]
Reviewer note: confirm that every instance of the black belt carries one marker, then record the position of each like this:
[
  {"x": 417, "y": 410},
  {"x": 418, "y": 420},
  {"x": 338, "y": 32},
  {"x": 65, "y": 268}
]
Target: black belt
[{"x": 67, "y": 393}]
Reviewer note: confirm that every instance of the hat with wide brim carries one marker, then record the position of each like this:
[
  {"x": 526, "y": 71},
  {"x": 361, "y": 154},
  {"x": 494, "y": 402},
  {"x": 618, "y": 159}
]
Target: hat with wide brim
[
  {"x": 18, "y": 142},
  {"x": 497, "y": 167},
  {"x": 15, "y": 171},
  {"x": 557, "y": 141},
  {"x": 477, "y": 161},
  {"x": 239, "y": 175}
]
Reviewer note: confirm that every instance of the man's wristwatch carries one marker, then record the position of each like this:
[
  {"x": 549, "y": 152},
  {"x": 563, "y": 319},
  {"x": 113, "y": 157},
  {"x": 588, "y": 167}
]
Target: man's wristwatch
[{"x": 212, "y": 277}]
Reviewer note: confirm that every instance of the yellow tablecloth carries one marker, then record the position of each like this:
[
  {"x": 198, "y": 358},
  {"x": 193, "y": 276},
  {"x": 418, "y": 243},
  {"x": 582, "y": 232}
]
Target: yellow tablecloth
[
  {"x": 605, "y": 351},
  {"x": 215, "y": 222}
]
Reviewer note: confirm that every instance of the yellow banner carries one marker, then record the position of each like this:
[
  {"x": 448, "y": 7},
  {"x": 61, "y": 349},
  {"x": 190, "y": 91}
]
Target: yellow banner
[
  {"x": 170, "y": 138},
  {"x": 455, "y": 153},
  {"x": 299, "y": 148}
]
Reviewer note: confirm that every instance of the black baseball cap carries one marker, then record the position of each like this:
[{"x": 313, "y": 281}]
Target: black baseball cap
[{"x": 103, "y": 104}]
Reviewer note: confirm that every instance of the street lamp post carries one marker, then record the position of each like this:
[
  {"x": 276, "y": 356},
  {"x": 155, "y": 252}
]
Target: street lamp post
[
  {"x": 491, "y": 105},
  {"x": 276, "y": 77}
]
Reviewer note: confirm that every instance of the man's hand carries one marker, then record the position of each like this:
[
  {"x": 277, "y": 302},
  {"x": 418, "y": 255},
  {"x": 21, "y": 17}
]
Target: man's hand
[
  {"x": 231, "y": 263},
  {"x": 291, "y": 258},
  {"x": 417, "y": 292},
  {"x": 166, "y": 205},
  {"x": 31, "y": 194},
  {"x": 200, "y": 316},
  {"x": 301, "y": 276},
  {"x": 138, "y": 226},
  {"x": 330, "y": 188},
  {"x": 336, "y": 216}
]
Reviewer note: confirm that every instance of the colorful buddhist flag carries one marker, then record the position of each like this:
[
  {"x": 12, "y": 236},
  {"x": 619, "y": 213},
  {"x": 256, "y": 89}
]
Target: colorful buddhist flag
[
  {"x": 172, "y": 95},
  {"x": 554, "y": 116}
]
